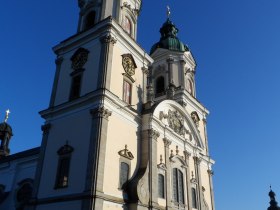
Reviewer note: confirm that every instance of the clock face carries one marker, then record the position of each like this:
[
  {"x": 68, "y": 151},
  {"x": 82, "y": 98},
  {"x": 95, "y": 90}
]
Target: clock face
[{"x": 128, "y": 65}]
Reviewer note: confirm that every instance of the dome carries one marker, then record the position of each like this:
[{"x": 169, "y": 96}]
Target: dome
[
  {"x": 5, "y": 128},
  {"x": 169, "y": 39}
]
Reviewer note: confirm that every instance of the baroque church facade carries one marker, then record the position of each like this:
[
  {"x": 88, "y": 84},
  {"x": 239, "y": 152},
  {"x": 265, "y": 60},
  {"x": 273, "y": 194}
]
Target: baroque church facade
[{"x": 123, "y": 129}]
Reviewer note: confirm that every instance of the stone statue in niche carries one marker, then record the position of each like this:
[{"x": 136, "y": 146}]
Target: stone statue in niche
[
  {"x": 175, "y": 121},
  {"x": 195, "y": 118}
]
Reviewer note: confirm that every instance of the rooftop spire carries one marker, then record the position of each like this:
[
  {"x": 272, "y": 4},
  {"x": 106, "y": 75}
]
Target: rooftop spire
[
  {"x": 168, "y": 12},
  {"x": 7, "y": 115}
]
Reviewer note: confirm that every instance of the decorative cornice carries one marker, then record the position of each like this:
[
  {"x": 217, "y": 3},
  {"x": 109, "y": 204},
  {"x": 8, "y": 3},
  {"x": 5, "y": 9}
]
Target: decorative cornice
[
  {"x": 108, "y": 39},
  {"x": 46, "y": 128},
  {"x": 101, "y": 112}
]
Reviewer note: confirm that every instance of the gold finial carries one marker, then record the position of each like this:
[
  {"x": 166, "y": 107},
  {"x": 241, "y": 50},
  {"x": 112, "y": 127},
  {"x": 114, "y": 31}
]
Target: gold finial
[
  {"x": 7, "y": 115},
  {"x": 168, "y": 12}
]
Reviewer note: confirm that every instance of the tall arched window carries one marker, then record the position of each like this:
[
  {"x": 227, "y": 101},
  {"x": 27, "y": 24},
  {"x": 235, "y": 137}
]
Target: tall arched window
[
  {"x": 160, "y": 186},
  {"x": 124, "y": 173},
  {"x": 194, "y": 199},
  {"x": 24, "y": 193},
  {"x": 178, "y": 186},
  {"x": 160, "y": 85},
  {"x": 127, "y": 26},
  {"x": 90, "y": 20},
  {"x": 190, "y": 86}
]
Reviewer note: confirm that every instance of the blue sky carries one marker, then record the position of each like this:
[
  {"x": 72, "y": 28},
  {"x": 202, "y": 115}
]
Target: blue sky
[{"x": 236, "y": 46}]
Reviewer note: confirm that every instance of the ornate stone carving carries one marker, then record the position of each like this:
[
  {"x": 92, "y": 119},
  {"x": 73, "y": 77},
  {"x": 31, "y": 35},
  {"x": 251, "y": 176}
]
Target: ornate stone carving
[
  {"x": 154, "y": 134},
  {"x": 79, "y": 59},
  {"x": 126, "y": 153},
  {"x": 46, "y": 128},
  {"x": 166, "y": 142},
  {"x": 58, "y": 61},
  {"x": 187, "y": 154},
  {"x": 195, "y": 118},
  {"x": 129, "y": 66},
  {"x": 66, "y": 149},
  {"x": 108, "y": 39},
  {"x": 210, "y": 172},
  {"x": 101, "y": 112},
  {"x": 175, "y": 121}
]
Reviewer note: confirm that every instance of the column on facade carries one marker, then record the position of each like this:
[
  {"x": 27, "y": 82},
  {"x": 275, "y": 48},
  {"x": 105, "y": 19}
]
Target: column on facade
[
  {"x": 188, "y": 178},
  {"x": 182, "y": 66},
  {"x": 197, "y": 162},
  {"x": 153, "y": 170},
  {"x": 105, "y": 63},
  {"x": 210, "y": 175},
  {"x": 170, "y": 62},
  {"x": 168, "y": 193},
  {"x": 96, "y": 157}
]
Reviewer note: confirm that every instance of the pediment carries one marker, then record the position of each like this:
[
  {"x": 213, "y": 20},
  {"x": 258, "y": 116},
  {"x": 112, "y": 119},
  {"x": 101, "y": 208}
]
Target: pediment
[{"x": 176, "y": 119}]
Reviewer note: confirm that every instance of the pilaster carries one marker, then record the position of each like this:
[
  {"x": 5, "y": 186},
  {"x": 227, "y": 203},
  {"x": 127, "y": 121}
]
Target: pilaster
[
  {"x": 197, "y": 162},
  {"x": 58, "y": 63},
  {"x": 170, "y": 62},
  {"x": 153, "y": 183},
  {"x": 38, "y": 174},
  {"x": 188, "y": 177},
  {"x": 96, "y": 157},
  {"x": 168, "y": 190},
  {"x": 105, "y": 63},
  {"x": 210, "y": 174}
]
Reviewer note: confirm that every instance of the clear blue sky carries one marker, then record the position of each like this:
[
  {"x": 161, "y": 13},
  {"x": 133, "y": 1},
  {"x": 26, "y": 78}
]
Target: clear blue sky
[{"x": 236, "y": 46}]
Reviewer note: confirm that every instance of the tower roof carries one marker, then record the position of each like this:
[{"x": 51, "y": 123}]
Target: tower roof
[
  {"x": 169, "y": 39},
  {"x": 273, "y": 202}
]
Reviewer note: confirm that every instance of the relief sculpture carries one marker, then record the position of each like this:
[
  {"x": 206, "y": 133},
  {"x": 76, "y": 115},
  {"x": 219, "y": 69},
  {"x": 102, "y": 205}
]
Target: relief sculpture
[{"x": 175, "y": 121}]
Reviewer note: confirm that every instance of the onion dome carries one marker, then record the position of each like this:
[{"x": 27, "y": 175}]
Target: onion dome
[
  {"x": 169, "y": 39},
  {"x": 273, "y": 202}
]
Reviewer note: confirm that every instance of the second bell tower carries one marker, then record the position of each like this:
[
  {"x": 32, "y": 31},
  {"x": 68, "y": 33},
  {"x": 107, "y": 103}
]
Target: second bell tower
[{"x": 125, "y": 12}]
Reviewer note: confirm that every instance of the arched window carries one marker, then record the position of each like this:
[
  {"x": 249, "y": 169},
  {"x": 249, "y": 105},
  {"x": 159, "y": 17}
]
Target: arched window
[
  {"x": 90, "y": 20},
  {"x": 160, "y": 85},
  {"x": 124, "y": 173},
  {"x": 160, "y": 186},
  {"x": 178, "y": 186},
  {"x": 63, "y": 166},
  {"x": 127, "y": 26},
  {"x": 127, "y": 87},
  {"x": 194, "y": 199},
  {"x": 24, "y": 193},
  {"x": 190, "y": 86}
]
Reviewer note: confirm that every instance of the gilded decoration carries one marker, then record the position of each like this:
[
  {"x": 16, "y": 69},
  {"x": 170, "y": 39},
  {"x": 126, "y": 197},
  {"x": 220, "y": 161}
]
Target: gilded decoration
[
  {"x": 175, "y": 121},
  {"x": 79, "y": 59},
  {"x": 129, "y": 66},
  {"x": 126, "y": 153}
]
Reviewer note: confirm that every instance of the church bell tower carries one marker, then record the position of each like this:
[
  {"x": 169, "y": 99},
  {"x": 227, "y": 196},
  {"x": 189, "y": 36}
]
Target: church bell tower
[{"x": 123, "y": 130}]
